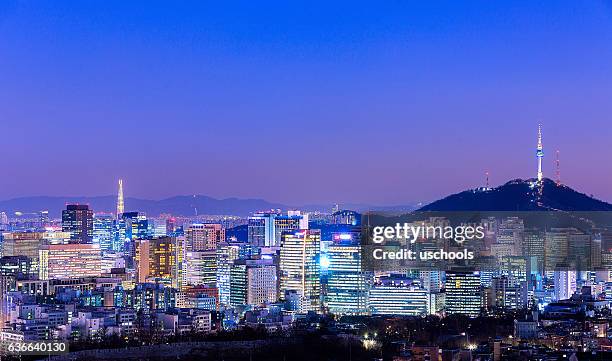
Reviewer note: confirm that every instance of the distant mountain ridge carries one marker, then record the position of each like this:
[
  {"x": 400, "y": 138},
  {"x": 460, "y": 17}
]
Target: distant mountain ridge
[
  {"x": 178, "y": 205},
  {"x": 520, "y": 195}
]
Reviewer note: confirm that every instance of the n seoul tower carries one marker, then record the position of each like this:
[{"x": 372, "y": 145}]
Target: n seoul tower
[{"x": 540, "y": 154}]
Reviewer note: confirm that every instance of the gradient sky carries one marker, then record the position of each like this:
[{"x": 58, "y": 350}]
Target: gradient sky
[{"x": 383, "y": 102}]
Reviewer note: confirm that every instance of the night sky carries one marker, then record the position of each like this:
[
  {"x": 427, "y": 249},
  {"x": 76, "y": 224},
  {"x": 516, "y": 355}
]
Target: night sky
[{"x": 385, "y": 102}]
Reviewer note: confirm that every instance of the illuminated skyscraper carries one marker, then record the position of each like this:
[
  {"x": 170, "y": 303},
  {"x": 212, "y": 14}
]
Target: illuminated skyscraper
[
  {"x": 227, "y": 253},
  {"x": 300, "y": 269},
  {"x": 130, "y": 227},
  {"x": 556, "y": 247},
  {"x": 510, "y": 233},
  {"x": 200, "y": 268},
  {"x": 252, "y": 282},
  {"x": 533, "y": 250},
  {"x": 159, "y": 259},
  {"x": 397, "y": 296},
  {"x": 104, "y": 231},
  {"x": 202, "y": 237},
  {"x": 261, "y": 229},
  {"x": 120, "y": 205},
  {"x": 347, "y": 283},
  {"x": 293, "y": 221},
  {"x": 565, "y": 284},
  {"x": 506, "y": 293},
  {"x": 463, "y": 293},
  {"x": 78, "y": 220}
]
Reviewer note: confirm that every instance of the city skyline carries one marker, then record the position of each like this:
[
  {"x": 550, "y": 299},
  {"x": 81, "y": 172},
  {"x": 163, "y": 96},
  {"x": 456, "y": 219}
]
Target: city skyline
[{"x": 414, "y": 92}]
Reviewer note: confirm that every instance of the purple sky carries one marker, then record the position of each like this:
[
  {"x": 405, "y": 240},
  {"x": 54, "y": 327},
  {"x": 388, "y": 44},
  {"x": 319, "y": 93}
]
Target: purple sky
[{"x": 314, "y": 102}]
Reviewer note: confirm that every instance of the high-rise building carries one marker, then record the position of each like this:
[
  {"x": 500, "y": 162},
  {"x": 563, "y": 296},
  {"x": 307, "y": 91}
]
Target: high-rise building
[
  {"x": 152, "y": 296},
  {"x": 261, "y": 229},
  {"x": 227, "y": 253},
  {"x": 78, "y": 220},
  {"x": 202, "y": 237},
  {"x": 506, "y": 293},
  {"x": 157, "y": 227},
  {"x": 556, "y": 247},
  {"x": 253, "y": 282},
  {"x": 293, "y": 221},
  {"x": 159, "y": 259},
  {"x": 510, "y": 233},
  {"x": 104, "y": 231},
  {"x": 200, "y": 268},
  {"x": 397, "y": 296},
  {"x": 533, "y": 249},
  {"x": 266, "y": 228},
  {"x": 347, "y": 283},
  {"x": 463, "y": 293},
  {"x": 565, "y": 284},
  {"x": 130, "y": 227},
  {"x": 3, "y": 219},
  {"x": 62, "y": 261},
  {"x": 300, "y": 269},
  {"x": 120, "y": 205}
]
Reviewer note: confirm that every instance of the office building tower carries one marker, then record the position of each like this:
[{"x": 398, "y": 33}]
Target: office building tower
[
  {"x": 565, "y": 284},
  {"x": 347, "y": 283},
  {"x": 159, "y": 259},
  {"x": 505, "y": 293},
  {"x": 157, "y": 227},
  {"x": 120, "y": 204},
  {"x": 200, "y": 268},
  {"x": 227, "y": 253},
  {"x": 533, "y": 249},
  {"x": 293, "y": 221},
  {"x": 130, "y": 227},
  {"x": 104, "y": 231},
  {"x": 202, "y": 237},
  {"x": 556, "y": 247},
  {"x": 62, "y": 261},
  {"x": 397, "y": 296},
  {"x": 26, "y": 244},
  {"x": 77, "y": 219},
  {"x": 261, "y": 229},
  {"x": 514, "y": 267},
  {"x": 510, "y": 233},
  {"x": 152, "y": 296},
  {"x": 300, "y": 269},
  {"x": 253, "y": 282},
  {"x": 463, "y": 293}
]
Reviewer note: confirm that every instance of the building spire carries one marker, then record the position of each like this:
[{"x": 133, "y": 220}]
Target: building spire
[
  {"x": 120, "y": 209},
  {"x": 540, "y": 153}
]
